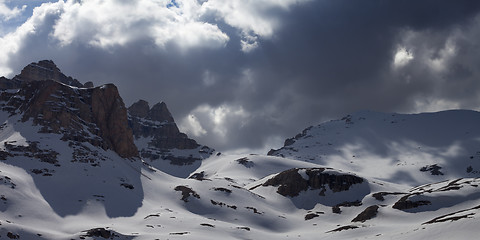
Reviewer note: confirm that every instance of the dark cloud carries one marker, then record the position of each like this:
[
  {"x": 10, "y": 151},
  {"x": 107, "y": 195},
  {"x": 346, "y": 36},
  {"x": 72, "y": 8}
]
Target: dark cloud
[{"x": 326, "y": 59}]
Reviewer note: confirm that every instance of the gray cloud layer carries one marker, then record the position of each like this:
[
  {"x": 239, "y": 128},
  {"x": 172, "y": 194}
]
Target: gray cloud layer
[{"x": 250, "y": 75}]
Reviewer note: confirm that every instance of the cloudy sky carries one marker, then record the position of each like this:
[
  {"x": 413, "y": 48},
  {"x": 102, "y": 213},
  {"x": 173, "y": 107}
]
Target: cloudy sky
[{"x": 246, "y": 74}]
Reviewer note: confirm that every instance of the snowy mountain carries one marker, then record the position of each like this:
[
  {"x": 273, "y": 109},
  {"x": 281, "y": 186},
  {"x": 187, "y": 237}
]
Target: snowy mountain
[
  {"x": 75, "y": 163},
  {"x": 403, "y": 148}
]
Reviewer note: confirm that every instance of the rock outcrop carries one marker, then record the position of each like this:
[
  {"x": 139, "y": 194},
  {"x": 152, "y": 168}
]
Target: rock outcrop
[
  {"x": 291, "y": 182},
  {"x": 158, "y": 129}
]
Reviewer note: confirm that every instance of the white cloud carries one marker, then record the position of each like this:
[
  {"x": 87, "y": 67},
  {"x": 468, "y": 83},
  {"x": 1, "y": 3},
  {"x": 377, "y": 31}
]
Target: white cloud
[
  {"x": 13, "y": 41},
  {"x": 434, "y": 51},
  {"x": 402, "y": 57},
  {"x": 251, "y": 17},
  {"x": 214, "y": 120},
  {"x": 432, "y": 104},
  {"x": 7, "y": 13},
  {"x": 440, "y": 62},
  {"x": 192, "y": 126},
  {"x": 109, "y": 23}
]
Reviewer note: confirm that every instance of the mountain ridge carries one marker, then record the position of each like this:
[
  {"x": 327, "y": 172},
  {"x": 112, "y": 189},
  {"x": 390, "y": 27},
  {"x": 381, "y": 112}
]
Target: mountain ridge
[{"x": 64, "y": 173}]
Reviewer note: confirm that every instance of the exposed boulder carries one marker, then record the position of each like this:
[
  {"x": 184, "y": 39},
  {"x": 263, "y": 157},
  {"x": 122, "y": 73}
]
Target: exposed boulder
[
  {"x": 311, "y": 216},
  {"x": 367, "y": 214},
  {"x": 186, "y": 192},
  {"x": 291, "y": 183},
  {"x": 99, "y": 232},
  {"x": 405, "y": 203}
]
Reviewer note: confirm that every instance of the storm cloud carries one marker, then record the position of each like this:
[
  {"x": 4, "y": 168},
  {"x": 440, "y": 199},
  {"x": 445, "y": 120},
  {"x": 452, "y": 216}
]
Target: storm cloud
[{"x": 245, "y": 75}]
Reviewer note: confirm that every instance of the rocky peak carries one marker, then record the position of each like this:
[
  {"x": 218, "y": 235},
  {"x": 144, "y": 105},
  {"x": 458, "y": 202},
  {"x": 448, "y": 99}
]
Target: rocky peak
[
  {"x": 139, "y": 109},
  {"x": 158, "y": 123},
  {"x": 157, "y": 135},
  {"x": 45, "y": 70},
  {"x": 159, "y": 112},
  {"x": 94, "y": 115}
]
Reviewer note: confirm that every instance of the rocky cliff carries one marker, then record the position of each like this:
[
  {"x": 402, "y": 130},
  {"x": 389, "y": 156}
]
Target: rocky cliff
[
  {"x": 82, "y": 113},
  {"x": 158, "y": 137},
  {"x": 95, "y": 115},
  {"x": 53, "y": 101}
]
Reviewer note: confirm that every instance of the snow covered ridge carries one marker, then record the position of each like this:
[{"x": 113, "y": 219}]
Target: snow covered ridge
[
  {"x": 67, "y": 172},
  {"x": 404, "y": 148}
]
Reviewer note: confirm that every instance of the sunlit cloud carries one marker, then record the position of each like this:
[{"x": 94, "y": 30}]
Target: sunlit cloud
[{"x": 7, "y": 13}]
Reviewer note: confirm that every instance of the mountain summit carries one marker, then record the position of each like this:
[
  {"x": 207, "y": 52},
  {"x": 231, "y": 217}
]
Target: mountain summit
[{"x": 40, "y": 71}]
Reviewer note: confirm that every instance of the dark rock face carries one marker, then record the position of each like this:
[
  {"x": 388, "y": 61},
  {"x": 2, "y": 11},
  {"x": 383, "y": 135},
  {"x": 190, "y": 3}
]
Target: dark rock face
[
  {"x": 45, "y": 70},
  {"x": 433, "y": 169},
  {"x": 6, "y": 83},
  {"x": 199, "y": 176},
  {"x": 291, "y": 183},
  {"x": 404, "y": 203},
  {"x": 380, "y": 196},
  {"x": 95, "y": 115},
  {"x": 13, "y": 235},
  {"x": 139, "y": 109},
  {"x": 88, "y": 85},
  {"x": 290, "y": 141},
  {"x": 311, "y": 216},
  {"x": 186, "y": 192},
  {"x": 99, "y": 232},
  {"x": 367, "y": 214},
  {"x": 158, "y": 126},
  {"x": 32, "y": 151},
  {"x": 158, "y": 123},
  {"x": 338, "y": 210}
]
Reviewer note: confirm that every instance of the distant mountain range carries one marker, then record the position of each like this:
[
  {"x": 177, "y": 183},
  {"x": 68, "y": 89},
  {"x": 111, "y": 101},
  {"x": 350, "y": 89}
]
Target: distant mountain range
[{"x": 75, "y": 163}]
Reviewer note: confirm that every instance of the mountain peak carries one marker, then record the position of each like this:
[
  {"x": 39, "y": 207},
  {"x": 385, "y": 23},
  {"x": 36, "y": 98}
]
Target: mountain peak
[
  {"x": 160, "y": 112},
  {"x": 45, "y": 70},
  {"x": 159, "y": 139},
  {"x": 139, "y": 109},
  {"x": 95, "y": 115}
]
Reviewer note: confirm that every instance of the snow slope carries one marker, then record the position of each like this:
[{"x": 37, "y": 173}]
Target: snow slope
[{"x": 219, "y": 208}]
